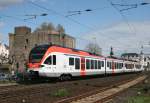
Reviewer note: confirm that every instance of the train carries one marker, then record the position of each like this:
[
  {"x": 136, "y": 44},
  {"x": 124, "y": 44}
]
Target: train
[{"x": 55, "y": 61}]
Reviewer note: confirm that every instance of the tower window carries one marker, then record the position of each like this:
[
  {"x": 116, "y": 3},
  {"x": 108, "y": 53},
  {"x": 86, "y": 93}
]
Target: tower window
[{"x": 27, "y": 41}]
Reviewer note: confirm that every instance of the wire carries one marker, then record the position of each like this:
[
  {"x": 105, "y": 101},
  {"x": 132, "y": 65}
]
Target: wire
[
  {"x": 123, "y": 17},
  {"x": 130, "y": 6},
  {"x": 59, "y": 14},
  {"x": 89, "y": 27},
  {"x": 72, "y": 13}
]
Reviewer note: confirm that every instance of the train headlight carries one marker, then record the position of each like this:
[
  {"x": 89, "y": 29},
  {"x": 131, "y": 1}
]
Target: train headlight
[{"x": 41, "y": 65}]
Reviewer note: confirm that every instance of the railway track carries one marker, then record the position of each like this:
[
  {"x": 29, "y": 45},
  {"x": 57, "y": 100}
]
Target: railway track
[
  {"x": 103, "y": 94},
  {"x": 19, "y": 93}
]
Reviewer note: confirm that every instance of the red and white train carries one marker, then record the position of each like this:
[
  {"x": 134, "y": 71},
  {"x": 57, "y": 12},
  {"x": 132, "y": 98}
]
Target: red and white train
[{"x": 64, "y": 63}]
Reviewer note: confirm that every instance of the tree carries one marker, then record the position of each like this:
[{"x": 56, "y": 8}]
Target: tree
[
  {"x": 93, "y": 48},
  {"x": 45, "y": 27},
  {"x": 60, "y": 28}
]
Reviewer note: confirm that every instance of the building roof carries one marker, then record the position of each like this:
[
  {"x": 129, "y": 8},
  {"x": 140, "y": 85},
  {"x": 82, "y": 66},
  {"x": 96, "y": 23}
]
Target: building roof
[
  {"x": 52, "y": 33},
  {"x": 47, "y": 32},
  {"x": 130, "y": 54}
]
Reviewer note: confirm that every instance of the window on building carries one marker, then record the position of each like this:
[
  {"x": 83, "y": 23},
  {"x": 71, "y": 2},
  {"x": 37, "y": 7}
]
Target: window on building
[
  {"x": 77, "y": 63},
  {"x": 54, "y": 59},
  {"x": 27, "y": 41},
  {"x": 48, "y": 60},
  {"x": 71, "y": 61},
  {"x": 25, "y": 47},
  {"x": 17, "y": 65}
]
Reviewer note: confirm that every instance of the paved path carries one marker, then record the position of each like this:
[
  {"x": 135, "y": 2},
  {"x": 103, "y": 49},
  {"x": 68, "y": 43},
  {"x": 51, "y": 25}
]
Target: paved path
[
  {"x": 110, "y": 92},
  {"x": 8, "y": 84}
]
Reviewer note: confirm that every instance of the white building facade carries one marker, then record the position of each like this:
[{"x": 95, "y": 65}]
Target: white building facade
[{"x": 4, "y": 53}]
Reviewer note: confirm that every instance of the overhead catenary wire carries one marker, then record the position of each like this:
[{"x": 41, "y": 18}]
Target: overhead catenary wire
[
  {"x": 70, "y": 19},
  {"x": 78, "y": 12},
  {"x": 132, "y": 29},
  {"x": 129, "y": 6},
  {"x": 55, "y": 12}
]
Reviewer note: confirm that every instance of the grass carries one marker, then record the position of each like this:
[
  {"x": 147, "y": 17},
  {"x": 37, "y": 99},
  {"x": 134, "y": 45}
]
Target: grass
[
  {"x": 60, "y": 93},
  {"x": 143, "y": 96},
  {"x": 139, "y": 99},
  {"x": 6, "y": 81}
]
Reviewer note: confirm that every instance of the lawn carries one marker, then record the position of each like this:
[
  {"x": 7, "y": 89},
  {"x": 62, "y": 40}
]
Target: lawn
[{"x": 139, "y": 99}]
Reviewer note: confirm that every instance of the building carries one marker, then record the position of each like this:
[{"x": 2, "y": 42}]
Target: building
[
  {"x": 4, "y": 53},
  {"x": 23, "y": 40},
  {"x": 147, "y": 61},
  {"x": 144, "y": 59},
  {"x": 131, "y": 56}
]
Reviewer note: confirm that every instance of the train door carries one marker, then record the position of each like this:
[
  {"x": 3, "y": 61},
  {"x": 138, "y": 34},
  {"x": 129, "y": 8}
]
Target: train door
[
  {"x": 82, "y": 71},
  {"x": 50, "y": 63}
]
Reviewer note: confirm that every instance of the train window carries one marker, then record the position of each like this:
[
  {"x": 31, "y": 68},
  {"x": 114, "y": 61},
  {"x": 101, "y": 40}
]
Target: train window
[
  {"x": 99, "y": 64},
  {"x": 110, "y": 65},
  {"x": 126, "y": 65},
  {"x": 37, "y": 53},
  {"x": 48, "y": 60},
  {"x": 121, "y": 65},
  {"x": 77, "y": 63},
  {"x": 71, "y": 61},
  {"x": 54, "y": 59},
  {"x": 115, "y": 65},
  {"x": 138, "y": 66},
  {"x": 87, "y": 64},
  {"x": 96, "y": 64},
  {"x": 92, "y": 64},
  {"x": 107, "y": 64},
  {"x": 102, "y": 63},
  {"x": 118, "y": 65}
]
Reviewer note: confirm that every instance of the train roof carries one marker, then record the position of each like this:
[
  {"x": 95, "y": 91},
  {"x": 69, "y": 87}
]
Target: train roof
[{"x": 58, "y": 48}]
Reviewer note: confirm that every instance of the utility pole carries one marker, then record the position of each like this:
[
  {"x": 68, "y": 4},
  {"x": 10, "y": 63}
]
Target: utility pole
[{"x": 111, "y": 52}]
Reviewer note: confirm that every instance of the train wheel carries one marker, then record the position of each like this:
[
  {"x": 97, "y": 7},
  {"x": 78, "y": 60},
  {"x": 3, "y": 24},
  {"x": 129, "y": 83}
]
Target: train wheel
[
  {"x": 65, "y": 77},
  {"x": 62, "y": 77},
  {"x": 68, "y": 77}
]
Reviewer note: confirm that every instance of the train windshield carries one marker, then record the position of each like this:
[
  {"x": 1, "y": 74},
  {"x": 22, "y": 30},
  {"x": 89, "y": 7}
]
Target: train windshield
[{"x": 37, "y": 53}]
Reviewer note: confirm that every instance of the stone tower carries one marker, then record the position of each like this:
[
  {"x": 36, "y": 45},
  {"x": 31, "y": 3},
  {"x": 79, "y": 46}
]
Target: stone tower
[{"x": 23, "y": 40}]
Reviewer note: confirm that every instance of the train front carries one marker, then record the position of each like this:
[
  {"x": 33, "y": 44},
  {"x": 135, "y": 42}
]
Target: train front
[{"x": 35, "y": 58}]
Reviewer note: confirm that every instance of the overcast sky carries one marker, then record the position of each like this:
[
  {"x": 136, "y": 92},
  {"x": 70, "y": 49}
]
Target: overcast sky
[{"x": 125, "y": 31}]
